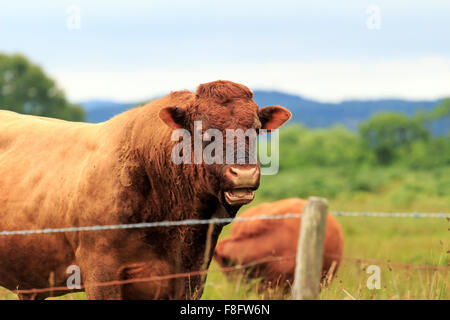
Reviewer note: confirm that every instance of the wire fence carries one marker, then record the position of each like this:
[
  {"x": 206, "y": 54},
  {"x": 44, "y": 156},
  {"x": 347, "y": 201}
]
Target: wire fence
[
  {"x": 392, "y": 214},
  {"x": 158, "y": 278},
  {"x": 238, "y": 267},
  {"x": 190, "y": 222}
]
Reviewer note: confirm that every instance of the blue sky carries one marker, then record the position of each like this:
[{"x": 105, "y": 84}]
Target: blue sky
[{"x": 133, "y": 50}]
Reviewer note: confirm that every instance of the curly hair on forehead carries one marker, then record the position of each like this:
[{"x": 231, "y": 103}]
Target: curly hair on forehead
[{"x": 222, "y": 91}]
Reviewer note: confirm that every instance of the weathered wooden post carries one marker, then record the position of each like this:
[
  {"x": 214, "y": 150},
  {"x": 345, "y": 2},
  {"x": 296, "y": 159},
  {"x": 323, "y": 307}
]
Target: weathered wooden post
[{"x": 308, "y": 268}]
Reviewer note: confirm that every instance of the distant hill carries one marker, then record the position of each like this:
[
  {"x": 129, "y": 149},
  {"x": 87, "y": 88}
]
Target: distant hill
[
  {"x": 309, "y": 112},
  {"x": 102, "y": 110},
  {"x": 348, "y": 113}
]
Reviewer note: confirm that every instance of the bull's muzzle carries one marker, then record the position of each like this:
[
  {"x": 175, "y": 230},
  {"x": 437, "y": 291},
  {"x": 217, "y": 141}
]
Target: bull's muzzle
[{"x": 244, "y": 180}]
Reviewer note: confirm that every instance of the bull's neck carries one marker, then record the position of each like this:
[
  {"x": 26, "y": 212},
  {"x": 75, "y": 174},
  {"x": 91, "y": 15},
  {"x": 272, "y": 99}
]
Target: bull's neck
[{"x": 175, "y": 191}]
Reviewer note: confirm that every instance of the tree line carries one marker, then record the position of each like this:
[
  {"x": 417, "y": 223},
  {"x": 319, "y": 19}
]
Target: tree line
[
  {"x": 25, "y": 88},
  {"x": 386, "y": 139}
]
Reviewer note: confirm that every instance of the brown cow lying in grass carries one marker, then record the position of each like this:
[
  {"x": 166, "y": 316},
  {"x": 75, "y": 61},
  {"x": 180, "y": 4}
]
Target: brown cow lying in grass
[
  {"x": 258, "y": 240},
  {"x": 57, "y": 174}
]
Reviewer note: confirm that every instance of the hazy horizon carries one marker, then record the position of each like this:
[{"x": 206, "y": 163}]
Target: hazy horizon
[
  {"x": 268, "y": 90},
  {"x": 323, "y": 51}
]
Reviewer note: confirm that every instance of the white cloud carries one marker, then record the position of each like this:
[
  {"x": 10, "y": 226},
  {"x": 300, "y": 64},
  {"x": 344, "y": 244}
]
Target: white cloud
[{"x": 425, "y": 78}]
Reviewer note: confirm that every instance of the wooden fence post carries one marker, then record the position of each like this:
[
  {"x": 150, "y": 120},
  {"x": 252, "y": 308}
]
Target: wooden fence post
[{"x": 308, "y": 267}]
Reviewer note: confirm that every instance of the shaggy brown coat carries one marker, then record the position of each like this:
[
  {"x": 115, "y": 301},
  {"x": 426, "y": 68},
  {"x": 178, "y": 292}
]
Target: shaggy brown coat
[{"x": 56, "y": 174}]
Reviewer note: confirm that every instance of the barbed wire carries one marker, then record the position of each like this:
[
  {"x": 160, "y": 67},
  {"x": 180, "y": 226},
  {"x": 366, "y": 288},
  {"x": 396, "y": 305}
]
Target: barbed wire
[
  {"x": 216, "y": 221},
  {"x": 219, "y": 221},
  {"x": 390, "y": 263},
  {"x": 238, "y": 267},
  {"x": 392, "y": 214},
  {"x": 154, "y": 278},
  {"x": 176, "y": 223}
]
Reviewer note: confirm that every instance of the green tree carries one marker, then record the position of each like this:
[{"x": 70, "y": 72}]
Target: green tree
[
  {"x": 25, "y": 88},
  {"x": 428, "y": 154},
  {"x": 440, "y": 117},
  {"x": 336, "y": 146},
  {"x": 387, "y": 134},
  {"x": 442, "y": 110}
]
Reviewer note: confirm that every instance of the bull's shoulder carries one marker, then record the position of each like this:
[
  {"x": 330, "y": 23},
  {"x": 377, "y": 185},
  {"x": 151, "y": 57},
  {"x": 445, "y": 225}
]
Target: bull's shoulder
[
  {"x": 255, "y": 226},
  {"x": 175, "y": 98},
  {"x": 291, "y": 205}
]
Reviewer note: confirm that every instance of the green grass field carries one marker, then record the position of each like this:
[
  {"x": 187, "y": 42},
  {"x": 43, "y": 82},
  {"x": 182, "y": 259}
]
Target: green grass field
[
  {"x": 386, "y": 242},
  {"x": 390, "y": 241}
]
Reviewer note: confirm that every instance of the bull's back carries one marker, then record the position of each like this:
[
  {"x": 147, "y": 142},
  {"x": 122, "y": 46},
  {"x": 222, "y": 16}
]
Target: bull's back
[{"x": 41, "y": 162}]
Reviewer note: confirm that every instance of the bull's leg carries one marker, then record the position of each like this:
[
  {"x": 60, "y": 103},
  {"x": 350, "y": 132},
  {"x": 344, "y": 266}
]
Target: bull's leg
[
  {"x": 96, "y": 291},
  {"x": 153, "y": 287},
  {"x": 32, "y": 296}
]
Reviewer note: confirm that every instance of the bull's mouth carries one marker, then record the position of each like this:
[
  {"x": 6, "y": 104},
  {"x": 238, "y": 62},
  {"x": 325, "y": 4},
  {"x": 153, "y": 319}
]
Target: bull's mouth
[{"x": 239, "y": 196}]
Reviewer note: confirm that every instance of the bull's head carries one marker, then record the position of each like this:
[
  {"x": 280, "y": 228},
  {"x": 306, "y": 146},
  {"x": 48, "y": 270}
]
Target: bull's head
[{"x": 225, "y": 110}]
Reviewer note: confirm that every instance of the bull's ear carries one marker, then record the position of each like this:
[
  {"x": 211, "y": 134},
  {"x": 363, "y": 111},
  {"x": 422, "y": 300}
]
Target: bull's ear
[
  {"x": 174, "y": 117},
  {"x": 273, "y": 117}
]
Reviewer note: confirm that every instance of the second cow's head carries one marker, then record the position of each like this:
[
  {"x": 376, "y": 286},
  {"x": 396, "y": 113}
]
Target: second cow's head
[{"x": 224, "y": 107}]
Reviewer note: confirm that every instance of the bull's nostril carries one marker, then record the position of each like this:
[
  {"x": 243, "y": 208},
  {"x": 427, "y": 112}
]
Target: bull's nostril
[{"x": 233, "y": 171}]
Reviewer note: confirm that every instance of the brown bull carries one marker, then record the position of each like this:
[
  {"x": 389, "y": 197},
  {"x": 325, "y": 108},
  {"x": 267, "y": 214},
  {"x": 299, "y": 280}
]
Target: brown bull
[
  {"x": 259, "y": 240},
  {"x": 57, "y": 174}
]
